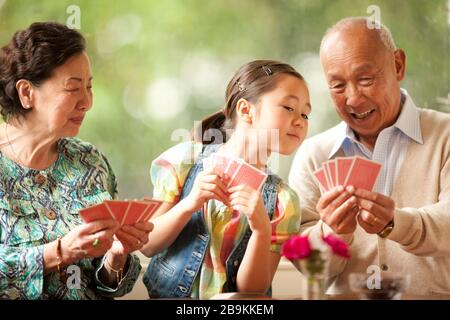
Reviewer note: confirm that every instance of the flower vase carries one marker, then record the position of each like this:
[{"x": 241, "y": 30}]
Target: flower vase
[
  {"x": 315, "y": 270},
  {"x": 315, "y": 287},
  {"x": 311, "y": 255}
]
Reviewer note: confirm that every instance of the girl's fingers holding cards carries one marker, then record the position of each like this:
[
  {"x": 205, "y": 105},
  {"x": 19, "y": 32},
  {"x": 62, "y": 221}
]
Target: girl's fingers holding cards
[
  {"x": 225, "y": 179},
  {"x": 207, "y": 171},
  {"x": 240, "y": 193},
  {"x": 236, "y": 188},
  {"x": 239, "y": 200},
  {"x": 214, "y": 193},
  {"x": 241, "y": 187},
  {"x": 241, "y": 208},
  {"x": 243, "y": 190},
  {"x": 215, "y": 180},
  {"x": 212, "y": 188}
]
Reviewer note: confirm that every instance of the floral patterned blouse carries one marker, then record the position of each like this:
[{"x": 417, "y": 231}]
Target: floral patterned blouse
[
  {"x": 168, "y": 174},
  {"x": 37, "y": 206}
]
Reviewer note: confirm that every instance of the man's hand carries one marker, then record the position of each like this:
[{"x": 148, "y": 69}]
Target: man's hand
[
  {"x": 377, "y": 210},
  {"x": 338, "y": 209}
]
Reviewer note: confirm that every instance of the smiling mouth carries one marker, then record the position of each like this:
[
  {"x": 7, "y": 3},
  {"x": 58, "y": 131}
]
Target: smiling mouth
[
  {"x": 77, "y": 120},
  {"x": 362, "y": 115},
  {"x": 293, "y": 136}
]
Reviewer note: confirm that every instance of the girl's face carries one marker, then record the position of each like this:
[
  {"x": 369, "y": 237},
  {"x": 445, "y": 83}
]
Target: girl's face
[{"x": 282, "y": 115}]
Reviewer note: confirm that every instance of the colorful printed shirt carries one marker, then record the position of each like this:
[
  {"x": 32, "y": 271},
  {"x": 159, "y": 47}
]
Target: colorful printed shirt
[
  {"x": 37, "y": 206},
  {"x": 168, "y": 173}
]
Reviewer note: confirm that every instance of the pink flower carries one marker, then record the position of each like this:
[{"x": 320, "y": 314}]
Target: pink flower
[
  {"x": 297, "y": 247},
  {"x": 338, "y": 246}
]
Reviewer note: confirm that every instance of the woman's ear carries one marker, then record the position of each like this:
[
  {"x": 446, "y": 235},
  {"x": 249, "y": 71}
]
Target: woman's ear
[
  {"x": 26, "y": 92},
  {"x": 245, "y": 111}
]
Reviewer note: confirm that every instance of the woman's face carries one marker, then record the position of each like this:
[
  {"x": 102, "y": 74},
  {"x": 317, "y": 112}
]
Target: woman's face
[{"x": 61, "y": 102}]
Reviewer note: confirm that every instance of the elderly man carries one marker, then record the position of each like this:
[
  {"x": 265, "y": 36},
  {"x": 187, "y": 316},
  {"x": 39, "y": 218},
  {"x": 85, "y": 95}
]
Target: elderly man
[{"x": 404, "y": 223}]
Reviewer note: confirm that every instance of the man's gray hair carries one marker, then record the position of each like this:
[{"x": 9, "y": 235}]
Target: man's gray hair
[{"x": 383, "y": 32}]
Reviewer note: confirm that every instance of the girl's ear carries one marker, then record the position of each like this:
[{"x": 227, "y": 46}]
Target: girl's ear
[{"x": 245, "y": 111}]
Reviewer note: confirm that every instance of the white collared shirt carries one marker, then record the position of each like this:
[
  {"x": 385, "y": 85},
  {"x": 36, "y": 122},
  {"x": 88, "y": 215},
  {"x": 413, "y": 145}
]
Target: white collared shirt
[{"x": 390, "y": 147}]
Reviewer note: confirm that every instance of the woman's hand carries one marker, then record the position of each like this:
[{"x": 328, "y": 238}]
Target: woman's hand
[
  {"x": 130, "y": 238},
  {"x": 207, "y": 186},
  {"x": 249, "y": 202},
  {"x": 88, "y": 240}
]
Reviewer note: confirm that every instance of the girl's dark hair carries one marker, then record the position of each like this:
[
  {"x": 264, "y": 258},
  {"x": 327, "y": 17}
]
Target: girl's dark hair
[
  {"x": 33, "y": 54},
  {"x": 250, "y": 82}
]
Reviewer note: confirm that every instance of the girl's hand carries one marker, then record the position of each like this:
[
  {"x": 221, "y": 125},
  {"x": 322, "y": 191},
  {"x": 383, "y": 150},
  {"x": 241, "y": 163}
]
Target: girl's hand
[
  {"x": 130, "y": 238},
  {"x": 249, "y": 202},
  {"x": 207, "y": 186}
]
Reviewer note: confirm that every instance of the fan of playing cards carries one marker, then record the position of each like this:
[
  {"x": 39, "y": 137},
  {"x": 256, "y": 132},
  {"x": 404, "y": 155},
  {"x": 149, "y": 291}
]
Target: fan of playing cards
[
  {"x": 355, "y": 171},
  {"x": 125, "y": 211},
  {"x": 238, "y": 171}
]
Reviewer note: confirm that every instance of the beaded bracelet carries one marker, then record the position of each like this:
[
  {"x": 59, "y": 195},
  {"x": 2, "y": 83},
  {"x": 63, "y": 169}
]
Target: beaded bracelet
[{"x": 119, "y": 273}]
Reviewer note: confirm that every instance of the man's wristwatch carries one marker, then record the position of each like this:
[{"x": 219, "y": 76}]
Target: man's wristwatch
[{"x": 387, "y": 230}]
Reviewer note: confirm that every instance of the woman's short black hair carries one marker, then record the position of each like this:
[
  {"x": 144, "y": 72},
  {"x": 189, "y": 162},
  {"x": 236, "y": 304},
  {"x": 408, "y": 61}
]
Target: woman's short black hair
[{"x": 33, "y": 54}]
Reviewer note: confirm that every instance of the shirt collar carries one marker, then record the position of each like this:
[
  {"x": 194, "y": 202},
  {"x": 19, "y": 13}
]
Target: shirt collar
[
  {"x": 408, "y": 122},
  {"x": 341, "y": 135}
]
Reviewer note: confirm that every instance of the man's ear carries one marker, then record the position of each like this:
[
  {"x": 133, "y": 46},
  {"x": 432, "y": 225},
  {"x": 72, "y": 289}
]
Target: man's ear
[
  {"x": 26, "y": 93},
  {"x": 400, "y": 63},
  {"x": 245, "y": 111}
]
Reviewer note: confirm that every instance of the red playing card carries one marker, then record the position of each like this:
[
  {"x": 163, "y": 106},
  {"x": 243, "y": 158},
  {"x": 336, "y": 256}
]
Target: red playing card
[
  {"x": 364, "y": 173},
  {"x": 153, "y": 205},
  {"x": 96, "y": 212},
  {"x": 343, "y": 166},
  {"x": 248, "y": 175},
  {"x": 233, "y": 166},
  {"x": 220, "y": 163},
  {"x": 118, "y": 208},
  {"x": 320, "y": 176},
  {"x": 330, "y": 170},
  {"x": 134, "y": 212}
]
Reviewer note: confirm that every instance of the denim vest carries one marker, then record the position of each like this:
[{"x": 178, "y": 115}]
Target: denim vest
[{"x": 172, "y": 272}]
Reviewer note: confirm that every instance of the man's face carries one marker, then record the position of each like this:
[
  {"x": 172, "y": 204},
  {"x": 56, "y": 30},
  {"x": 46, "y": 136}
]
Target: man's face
[{"x": 363, "y": 77}]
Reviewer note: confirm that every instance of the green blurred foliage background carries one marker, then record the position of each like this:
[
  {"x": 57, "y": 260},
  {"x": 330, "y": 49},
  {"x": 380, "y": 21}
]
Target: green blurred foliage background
[{"x": 161, "y": 65}]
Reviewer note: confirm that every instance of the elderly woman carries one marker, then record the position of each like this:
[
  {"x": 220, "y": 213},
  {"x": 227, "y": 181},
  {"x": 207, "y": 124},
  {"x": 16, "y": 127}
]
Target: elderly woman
[{"x": 47, "y": 176}]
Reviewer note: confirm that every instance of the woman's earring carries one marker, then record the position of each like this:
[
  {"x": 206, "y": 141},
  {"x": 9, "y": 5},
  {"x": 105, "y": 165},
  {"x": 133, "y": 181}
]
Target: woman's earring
[{"x": 27, "y": 106}]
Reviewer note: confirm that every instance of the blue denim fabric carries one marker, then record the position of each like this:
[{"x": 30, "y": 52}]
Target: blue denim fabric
[{"x": 172, "y": 272}]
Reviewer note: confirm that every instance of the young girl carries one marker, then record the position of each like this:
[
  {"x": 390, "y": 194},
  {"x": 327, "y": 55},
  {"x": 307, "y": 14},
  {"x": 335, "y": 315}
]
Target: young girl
[{"x": 233, "y": 245}]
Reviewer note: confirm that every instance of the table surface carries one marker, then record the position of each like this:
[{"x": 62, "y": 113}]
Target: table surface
[{"x": 350, "y": 296}]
